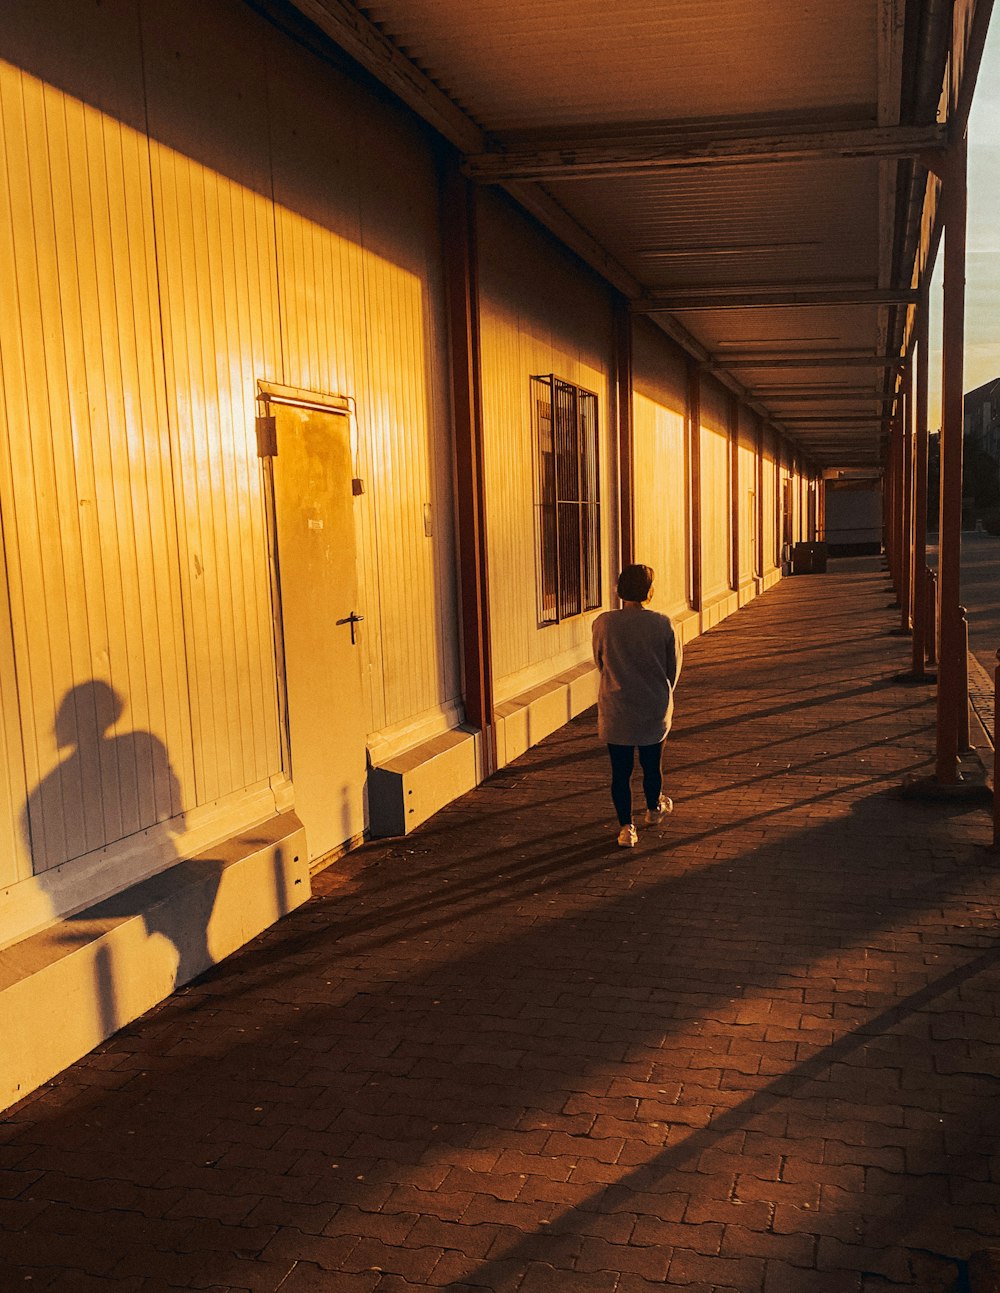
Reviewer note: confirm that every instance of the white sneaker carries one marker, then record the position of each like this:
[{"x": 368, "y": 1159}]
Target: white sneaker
[
  {"x": 655, "y": 815},
  {"x": 628, "y": 837}
]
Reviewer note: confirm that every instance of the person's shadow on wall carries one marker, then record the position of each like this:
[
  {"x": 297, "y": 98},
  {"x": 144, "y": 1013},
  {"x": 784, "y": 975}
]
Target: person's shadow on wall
[{"x": 110, "y": 786}]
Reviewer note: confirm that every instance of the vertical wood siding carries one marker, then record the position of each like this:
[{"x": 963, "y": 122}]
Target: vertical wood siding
[
  {"x": 361, "y": 311},
  {"x": 747, "y": 455},
  {"x": 87, "y": 502},
  {"x": 772, "y": 502},
  {"x": 218, "y": 302},
  {"x": 539, "y": 314},
  {"x": 207, "y": 246},
  {"x": 15, "y": 861},
  {"x": 275, "y": 222},
  {"x": 716, "y": 509},
  {"x": 146, "y": 284},
  {"x": 786, "y": 500},
  {"x": 662, "y": 515}
]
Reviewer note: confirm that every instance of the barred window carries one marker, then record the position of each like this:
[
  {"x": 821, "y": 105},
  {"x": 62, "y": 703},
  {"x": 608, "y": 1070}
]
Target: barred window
[{"x": 568, "y": 506}]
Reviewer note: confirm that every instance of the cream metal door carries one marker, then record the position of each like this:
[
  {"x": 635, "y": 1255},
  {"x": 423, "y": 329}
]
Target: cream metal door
[{"x": 320, "y": 622}]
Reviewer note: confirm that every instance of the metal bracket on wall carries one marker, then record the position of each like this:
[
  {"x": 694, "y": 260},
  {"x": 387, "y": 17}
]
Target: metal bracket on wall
[{"x": 267, "y": 436}]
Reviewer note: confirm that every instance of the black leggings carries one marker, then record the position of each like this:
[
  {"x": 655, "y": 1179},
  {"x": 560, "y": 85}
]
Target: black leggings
[{"x": 622, "y": 763}]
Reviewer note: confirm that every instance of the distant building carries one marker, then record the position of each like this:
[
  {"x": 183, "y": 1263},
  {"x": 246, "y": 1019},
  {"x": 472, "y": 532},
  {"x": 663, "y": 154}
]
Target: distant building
[{"x": 982, "y": 416}]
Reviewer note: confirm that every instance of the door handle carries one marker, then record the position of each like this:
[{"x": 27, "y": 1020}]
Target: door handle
[{"x": 352, "y": 619}]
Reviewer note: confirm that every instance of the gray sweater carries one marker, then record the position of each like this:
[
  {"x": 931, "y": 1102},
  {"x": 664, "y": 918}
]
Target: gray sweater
[{"x": 639, "y": 659}]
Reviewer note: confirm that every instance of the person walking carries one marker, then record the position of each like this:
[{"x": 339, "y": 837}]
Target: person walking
[{"x": 639, "y": 658}]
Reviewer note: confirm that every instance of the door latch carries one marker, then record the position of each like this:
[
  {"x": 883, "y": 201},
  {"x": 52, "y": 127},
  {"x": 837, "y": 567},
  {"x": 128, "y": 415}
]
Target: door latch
[{"x": 352, "y": 619}]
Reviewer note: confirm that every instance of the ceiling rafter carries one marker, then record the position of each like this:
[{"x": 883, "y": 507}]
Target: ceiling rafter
[
  {"x": 821, "y": 420},
  {"x": 641, "y": 155},
  {"x": 761, "y": 297},
  {"x": 650, "y": 148},
  {"x": 348, "y": 27},
  {"x": 812, "y": 396},
  {"x": 789, "y": 359}
]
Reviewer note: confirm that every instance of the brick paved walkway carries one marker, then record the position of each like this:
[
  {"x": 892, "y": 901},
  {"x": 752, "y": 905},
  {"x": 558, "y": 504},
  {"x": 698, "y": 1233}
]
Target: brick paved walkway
[{"x": 759, "y": 1052}]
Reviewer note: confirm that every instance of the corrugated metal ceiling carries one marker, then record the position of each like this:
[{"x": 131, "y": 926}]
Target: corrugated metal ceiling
[
  {"x": 518, "y": 65},
  {"x": 547, "y": 83},
  {"x": 815, "y": 220}
]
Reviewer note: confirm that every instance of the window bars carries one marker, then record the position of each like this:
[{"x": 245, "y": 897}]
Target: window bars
[{"x": 568, "y": 507}]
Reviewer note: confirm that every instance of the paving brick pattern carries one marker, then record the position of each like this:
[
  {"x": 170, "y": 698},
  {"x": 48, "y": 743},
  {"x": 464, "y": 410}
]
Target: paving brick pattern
[{"x": 758, "y": 1053}]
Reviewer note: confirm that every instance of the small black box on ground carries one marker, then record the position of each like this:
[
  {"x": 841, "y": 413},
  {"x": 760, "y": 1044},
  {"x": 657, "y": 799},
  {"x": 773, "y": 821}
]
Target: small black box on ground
[{"x": 808, "y": 558}]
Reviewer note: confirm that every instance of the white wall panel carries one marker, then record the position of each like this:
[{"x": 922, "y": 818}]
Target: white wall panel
[{"x": 540, "y": 314}]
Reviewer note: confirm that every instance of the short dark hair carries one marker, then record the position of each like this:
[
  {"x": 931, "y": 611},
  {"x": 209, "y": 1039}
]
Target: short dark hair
[{"x": 634, "y": 583}]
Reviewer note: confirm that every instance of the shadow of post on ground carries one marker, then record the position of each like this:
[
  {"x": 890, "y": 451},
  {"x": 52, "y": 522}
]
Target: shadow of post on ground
[{"x": 758, "y": 1051}]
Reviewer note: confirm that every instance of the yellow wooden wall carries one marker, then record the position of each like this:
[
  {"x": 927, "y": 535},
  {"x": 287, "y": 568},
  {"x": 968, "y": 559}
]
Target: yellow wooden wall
[
  {"x": 772, "y": 501},
  {"x": 218, "y": 300},
  {"x": 539, "y": 314},
  {"x": 660, "y": 455},
  {"x": 16, "y": 862},
  {"x": 85, "y": 483},
  {"x": 190, "y": 203},
  {"x": 147, "y": 281},
  {"x": 716, "y": 505},
  {"x": 748, "y": 493}
]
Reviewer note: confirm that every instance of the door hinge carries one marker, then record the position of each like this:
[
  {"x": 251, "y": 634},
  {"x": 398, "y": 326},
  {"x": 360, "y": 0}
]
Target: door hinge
[{"x": 267, "y": 436}]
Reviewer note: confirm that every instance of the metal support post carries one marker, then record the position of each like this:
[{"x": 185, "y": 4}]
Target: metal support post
[
  {"x": 895, "y": 504},
  {"x": 887, "y": 504},
  {"x": 694, "y": 479},
  {"x": 996, "y": 753},
  {"x": 734, "y": 491},
  {"x": 462, "y": 300},
  {"x": 964, "y": 741},
  {"x": 906, "y": 509},
  {"x": 920, "y": 581},
  {"x": 626, "y": 473},
  {"x": 931, "y": 631},
  {"x": 950, "y": 698}
]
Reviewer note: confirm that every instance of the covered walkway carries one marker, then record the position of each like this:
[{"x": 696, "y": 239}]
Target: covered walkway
[{"x": 759, "y": 1052}]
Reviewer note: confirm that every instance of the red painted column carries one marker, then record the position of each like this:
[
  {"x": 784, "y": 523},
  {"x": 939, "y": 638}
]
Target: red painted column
[
  {"x": 892, "y": 503},
  {"x": 760, "y": 499},
  {"x": 949, "y": 697},
  {"x": 906, "y": 510},
  {"x": 626, "y": 471},
  {"x": 462, "y": 296},
  {"x": 920, "y": 583},
  {"x": 887, "y": 508},
  {"x": 897, "y": 493},
  {"x": 734, "y": 489},
  {"x": 694, "y": 479}
]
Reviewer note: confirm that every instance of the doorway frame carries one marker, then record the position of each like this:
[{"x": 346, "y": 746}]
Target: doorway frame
[{"x": 270, "y": 394}]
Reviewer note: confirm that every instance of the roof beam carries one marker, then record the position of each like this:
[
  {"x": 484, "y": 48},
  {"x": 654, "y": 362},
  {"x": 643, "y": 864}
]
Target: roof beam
[
  {"x": 820, "y": 421},
  {"x": 788, "y": 359},
  {"x": 806, "y": 397},
  {"x": 347, "y": 26},
  {"x": 975, "y": 42},
  {"x": 891, "y": 16},
  {"x": 558, "y": 221},
  {"x": 742, "y": 298},
  {"x": 585, "y": 159}
]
